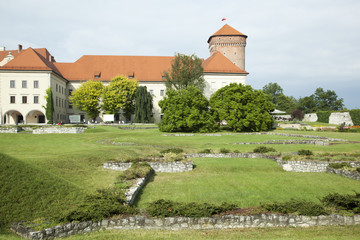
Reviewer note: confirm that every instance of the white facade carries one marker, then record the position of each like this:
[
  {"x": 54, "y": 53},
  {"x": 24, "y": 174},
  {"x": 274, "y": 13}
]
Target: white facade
[{"x": 215, "y": 81}]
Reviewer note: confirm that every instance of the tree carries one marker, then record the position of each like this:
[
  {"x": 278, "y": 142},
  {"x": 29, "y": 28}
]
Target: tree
[
  {"x": 327, "y": 101},
  {"x": 143, "y": 105},
  {"x": 185, "y": 71},
  {"x": 186, "y": 111},
  {"x": 120, "y": 94},
  {"x": 286, "y": 103},
  {"x": 243, "y": 108},
  {"x": 274, "y": 91},
  {"x": 49, "y": 108},
  {"x": 87, "y": 97},
  {"x": 307, "y": 104}
]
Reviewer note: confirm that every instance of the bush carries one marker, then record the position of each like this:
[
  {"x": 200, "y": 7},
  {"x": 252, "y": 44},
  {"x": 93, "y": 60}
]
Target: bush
[
  {"x": 295, "y": 206},
  {"x": 167, "y": 208},
  {"x": 104, "y": 203},
  {"x": 173, "y": 157},
  {"x": 323, "y": 116},
  {"x": 287, "y": 157},
  {"x": 343, "y": 202},
  {"x": 358, "y": 169},
  {"x": 339, "y": 165},
  {"x": 172, "y": 150},
  {"x": 224, "y": 150},
  {"x": 237, "y": 151},
  {"x": 206, "y": 150},
  {"x": 305, "y": 152},
  {"x": 355, "y": 116},
  {"x": 263, "y": 149},
  {"x": 297, "y": 114}
]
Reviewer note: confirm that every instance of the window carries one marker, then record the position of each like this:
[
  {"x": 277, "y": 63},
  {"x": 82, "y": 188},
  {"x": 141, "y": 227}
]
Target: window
[
  {"x": 57, "y": 100},
  {"x": 24, "y": 84},
  {"x": 56, "y": 87},
  {"x": 12, "y": 83},
  {"x": 163, "y": 77},
  {"x": 70, "y": 92},
  {"x": 36, "y": 84},
  {"x": 70, "y": 105},
  {"x": 62, "y": 103},
  {"x": 12, "y": 99},
  {"x": 162, "y": 92},
  {"x": 24, "y": 99},
  {"x": 36, "y": 99},
  {"x": 62, "y": 90},
  {"x": 151, "y": 92}
]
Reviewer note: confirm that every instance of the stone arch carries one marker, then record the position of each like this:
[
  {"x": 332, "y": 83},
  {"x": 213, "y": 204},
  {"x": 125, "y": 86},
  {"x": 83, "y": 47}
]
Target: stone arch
[
  {"x": 35, "y": 116},
  {"x": 13, "y": 117}
]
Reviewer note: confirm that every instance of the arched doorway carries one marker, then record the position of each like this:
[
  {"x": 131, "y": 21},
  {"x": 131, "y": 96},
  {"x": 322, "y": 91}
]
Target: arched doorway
[
  {"x": 35, "y": 116},
  {"x": 13, "y": 117}
]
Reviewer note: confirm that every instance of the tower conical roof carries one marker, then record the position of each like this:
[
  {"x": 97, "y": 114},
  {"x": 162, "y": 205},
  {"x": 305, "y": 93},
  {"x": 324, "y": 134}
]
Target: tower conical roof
[{"x": 226, "y": 30}]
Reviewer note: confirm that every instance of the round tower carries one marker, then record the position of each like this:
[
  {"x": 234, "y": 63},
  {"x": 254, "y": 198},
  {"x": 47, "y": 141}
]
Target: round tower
[{"x": 231, "y": 43}]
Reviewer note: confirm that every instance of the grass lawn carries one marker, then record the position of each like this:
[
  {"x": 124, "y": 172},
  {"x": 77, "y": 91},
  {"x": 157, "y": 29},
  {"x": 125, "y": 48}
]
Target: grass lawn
[{"x": 44, "y": 174}]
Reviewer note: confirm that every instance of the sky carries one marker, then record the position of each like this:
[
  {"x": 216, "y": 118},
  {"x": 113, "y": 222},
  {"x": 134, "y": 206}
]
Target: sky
[{"x": 299, "y": 44}]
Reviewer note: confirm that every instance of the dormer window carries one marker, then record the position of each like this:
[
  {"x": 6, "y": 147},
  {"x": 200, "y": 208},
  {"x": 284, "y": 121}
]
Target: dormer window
[
  {"x": 131, "y": 75},
  {"x": 163, "y": 77},
  {"x": 97, "y": 75}
]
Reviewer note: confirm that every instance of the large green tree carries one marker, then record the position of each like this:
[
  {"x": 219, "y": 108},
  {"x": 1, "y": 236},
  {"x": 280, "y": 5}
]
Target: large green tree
[
  {"x": 186, "y": 71},
  {"x": 143, "y": 105},
  {"x": 87, "y": 97},
  {"x": 243, "y": 108},
  {"x": 119, "y": 94},
  {"x": 274, "y": 91},
  {"x": 186, "y": 111}
]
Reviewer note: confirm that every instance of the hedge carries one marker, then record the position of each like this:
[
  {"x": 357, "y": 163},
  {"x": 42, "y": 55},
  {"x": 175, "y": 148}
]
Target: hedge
[
  {"x": 355, "y": 116},
  {"x": 323, "y": 116}
]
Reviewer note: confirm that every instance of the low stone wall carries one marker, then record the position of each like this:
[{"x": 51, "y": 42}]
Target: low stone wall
[
  {"x": 341, "y": 118},
  {"x": 309, "y": 166},
  {"x": 345, "y": 173},
  {"x": 310, "y": 117},
  {"x": 179, "y": 223},
  {"x": 134, "y": 189},
  {"x": 9, "y": 130},
  {"x": 232, "y": 155},
  {"x": 169, "y": 167},
  {"x": 58, "y": 130},
  {"x": 314, "y": 142}
]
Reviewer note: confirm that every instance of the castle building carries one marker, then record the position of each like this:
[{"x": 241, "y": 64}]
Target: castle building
[{"x": 25, "y": 74}]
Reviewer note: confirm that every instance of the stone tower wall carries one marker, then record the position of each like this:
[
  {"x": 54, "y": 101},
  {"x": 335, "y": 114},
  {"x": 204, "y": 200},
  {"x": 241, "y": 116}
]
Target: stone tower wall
[{"x": 232, "y": 47}]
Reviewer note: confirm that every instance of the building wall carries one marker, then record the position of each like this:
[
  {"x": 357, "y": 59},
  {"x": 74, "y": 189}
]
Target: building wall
[{"x": 215, "y": 81}]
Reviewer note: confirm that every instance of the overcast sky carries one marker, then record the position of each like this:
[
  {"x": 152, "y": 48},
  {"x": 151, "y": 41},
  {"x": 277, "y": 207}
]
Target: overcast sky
[{"x": 299, "y": 44}]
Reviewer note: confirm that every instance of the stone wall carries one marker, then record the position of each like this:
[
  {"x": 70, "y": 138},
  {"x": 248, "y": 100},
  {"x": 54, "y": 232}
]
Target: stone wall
[
  {"x": 58, "y": 130},
  {"x": 170, "y": 167},
  {"x": 309, "y": 166},
  {"x": 340, "y": 118},
  {"x": 8, "y": 130},
  {"x": 232, "y": 155},
  {"x": 131, "y": 193},
  {"x": 310, "y": 117},
  {"x": 314, "y": 142},
  {"x": 345, "y": 173},
  {"x": 178, "y": 223}
]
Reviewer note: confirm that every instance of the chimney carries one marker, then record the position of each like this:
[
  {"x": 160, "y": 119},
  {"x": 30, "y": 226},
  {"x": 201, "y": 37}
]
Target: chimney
[
  {"x": 2, "y": 48},
  {"x": 19, "y": 48}
]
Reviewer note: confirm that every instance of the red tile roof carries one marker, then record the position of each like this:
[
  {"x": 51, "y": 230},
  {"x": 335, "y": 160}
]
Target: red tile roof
[
  {"x": 218, "y": 63},
  {"x": 226, "y": 30},
  {"x": 3, "y": 54},
  {"x": 32, "y": 59}
]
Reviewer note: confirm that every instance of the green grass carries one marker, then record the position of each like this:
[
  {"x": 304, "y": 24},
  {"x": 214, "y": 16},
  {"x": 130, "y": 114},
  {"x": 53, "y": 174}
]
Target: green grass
[{"x": 45, "y": 174}]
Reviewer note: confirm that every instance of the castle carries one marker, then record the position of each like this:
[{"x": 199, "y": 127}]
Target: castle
[{"x": 25, "y": 74}]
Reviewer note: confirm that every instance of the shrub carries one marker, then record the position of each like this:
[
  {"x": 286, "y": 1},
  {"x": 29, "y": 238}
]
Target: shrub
[
  {"x": 343, "y": 202},
  {"x": 323, "y": 116},
  {"x": 355, "y": 116},
  {"x": 172, "y": 150},
  {"x": 206, "y": 150},
  {"x": 102, "y": 204},
  {"x": 263, "y": 149},
  {"x": 173, "y": 157},
  {"x": 224, "y": 150},
  {"x": 295, "y": 206},
  {"x": 339, "y": 165},
  {"x": 237, "y": 151},
  {"x": 287, "y": 157},
  {"x": 167, "y": 208},
  {"x": 297, "y": 114},
  {"x": 358, "y": 169},
  {"x": 305, "y": 152}
]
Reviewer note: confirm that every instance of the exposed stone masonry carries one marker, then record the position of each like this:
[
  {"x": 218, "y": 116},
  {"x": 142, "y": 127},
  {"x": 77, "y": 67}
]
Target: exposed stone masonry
[{"x": 170, "y": 167}]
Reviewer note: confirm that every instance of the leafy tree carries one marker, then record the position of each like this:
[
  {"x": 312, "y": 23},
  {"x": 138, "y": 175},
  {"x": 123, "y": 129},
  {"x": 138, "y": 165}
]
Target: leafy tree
[
  {"x": 297, "y": 114},
  {"x": 120, "y": 94},
  {"x": 185, "y": 71},
  {"x": 243, "y": 108},
  {"x": 143, "y": 105},
  {"x": 328, "y": 100},
  {"x": 87, "y": 97},
  {"x": 49, "y": 108},
  {"x": 286, "y": 103},
  {"x": 274, "y": 91},
  {"x": 186, "y": 111},
  {"x": 307, "y": 104}
]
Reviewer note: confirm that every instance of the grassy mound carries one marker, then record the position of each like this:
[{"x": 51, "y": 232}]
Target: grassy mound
[{"x": 27, "y": 192}]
